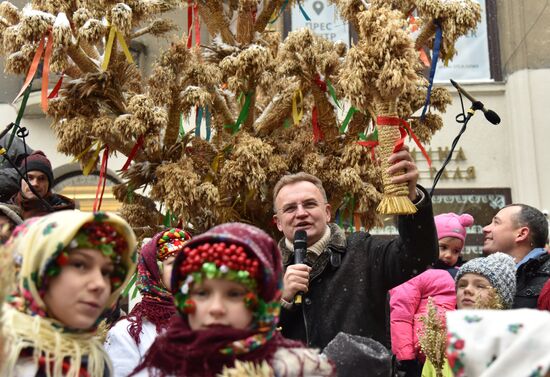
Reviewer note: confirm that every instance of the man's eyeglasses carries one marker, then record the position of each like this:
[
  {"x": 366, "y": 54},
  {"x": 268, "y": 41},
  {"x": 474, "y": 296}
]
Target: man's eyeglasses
[{"x": 307, "y": 205}]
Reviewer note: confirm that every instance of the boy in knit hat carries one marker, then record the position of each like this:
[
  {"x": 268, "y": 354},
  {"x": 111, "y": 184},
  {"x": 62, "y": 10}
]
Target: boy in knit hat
[
  {"x": 38, "y": 170},
  {"x": 486, "y": 283}
]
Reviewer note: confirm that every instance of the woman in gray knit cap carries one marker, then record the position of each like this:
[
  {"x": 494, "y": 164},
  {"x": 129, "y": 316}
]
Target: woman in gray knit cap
[{"x": 486, "y": 283}]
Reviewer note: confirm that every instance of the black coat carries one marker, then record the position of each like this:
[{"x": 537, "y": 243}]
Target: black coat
[
  {"x": 350, "y": 279},
  {"x": 530, "y": 278}
]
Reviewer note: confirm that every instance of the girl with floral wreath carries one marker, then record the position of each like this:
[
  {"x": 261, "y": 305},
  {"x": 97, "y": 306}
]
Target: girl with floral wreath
[
  {"x": 130, "y": 338},
  {"x": 71, "y": 267},
  {"x": 227, "y": 289}
]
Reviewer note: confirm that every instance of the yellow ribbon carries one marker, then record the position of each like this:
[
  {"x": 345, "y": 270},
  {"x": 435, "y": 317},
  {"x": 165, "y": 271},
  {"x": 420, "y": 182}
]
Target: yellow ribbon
[
  {"x": 297, "y": 115},
  {"x": 91, "y": 163},
  {"x": 109, "y": 47}
]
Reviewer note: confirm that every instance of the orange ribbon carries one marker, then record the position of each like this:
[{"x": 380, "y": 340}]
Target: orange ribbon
[{"x": 45, "y": 70}]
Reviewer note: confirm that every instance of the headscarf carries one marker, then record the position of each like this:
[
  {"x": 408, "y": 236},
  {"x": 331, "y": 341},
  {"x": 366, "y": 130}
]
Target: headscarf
[
  {"x": 157, "y": 304},
  {"x": 234, "y": 251},
  {"x": 494, "y": 343},
  {"x": 40, "y": 248}
]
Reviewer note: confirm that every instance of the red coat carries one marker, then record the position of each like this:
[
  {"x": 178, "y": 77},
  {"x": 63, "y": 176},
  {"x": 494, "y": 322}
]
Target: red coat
[{"x": 408, "y": 303}]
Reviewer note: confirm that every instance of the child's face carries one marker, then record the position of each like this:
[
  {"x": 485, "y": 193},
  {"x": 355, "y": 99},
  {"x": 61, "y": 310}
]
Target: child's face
[
  {"x": 167, "y": 266},
  {"x": 472, "y": 291},
  {"x": 79, "y": 294},
  {"x": 219, "y": 302},
  {"x": 449, "y": 250}
]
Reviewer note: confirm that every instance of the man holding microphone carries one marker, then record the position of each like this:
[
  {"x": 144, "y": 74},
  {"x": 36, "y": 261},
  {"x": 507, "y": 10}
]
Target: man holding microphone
[{"x": 343, "y": 281}]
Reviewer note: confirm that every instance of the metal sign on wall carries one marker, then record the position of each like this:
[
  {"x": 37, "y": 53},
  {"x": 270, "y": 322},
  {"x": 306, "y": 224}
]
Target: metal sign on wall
[
  {"x": 324, "y": 20},
  {"x": 471, "y": 63}
]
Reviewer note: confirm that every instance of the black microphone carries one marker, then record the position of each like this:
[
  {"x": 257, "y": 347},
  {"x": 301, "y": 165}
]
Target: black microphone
[
  {"x": 300, "y": 250},
  {"x": 490, "y": 115}
]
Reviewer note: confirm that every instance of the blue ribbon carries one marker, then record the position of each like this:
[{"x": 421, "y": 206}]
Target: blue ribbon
[
  {"x": 198, "y": 121},
  {"x": 435, "y": 57},
  {"x": 280, "y": 12},
  {"x": 208, "y": 117},
  {"x": 304, "y": 12}
]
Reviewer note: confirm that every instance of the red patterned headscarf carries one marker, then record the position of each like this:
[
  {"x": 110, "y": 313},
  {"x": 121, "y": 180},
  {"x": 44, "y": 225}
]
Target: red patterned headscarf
[
  {"x": 237, "y": 252},
  {"x": 157, "y": 304}
]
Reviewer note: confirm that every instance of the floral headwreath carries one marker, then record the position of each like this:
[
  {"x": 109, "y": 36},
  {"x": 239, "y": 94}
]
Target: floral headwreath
[
  {"x": 94, "y": 235},
  {"x": 216, "y": 261},
  {"x": 171, "y": 242}
]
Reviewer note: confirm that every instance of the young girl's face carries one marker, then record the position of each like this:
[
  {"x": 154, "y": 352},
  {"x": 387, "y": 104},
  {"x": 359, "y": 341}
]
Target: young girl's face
[
  {"x": 449, "y": 250},
  {"x": 79, "y": 294},
  {"x": 219, "y": 303},
  {"x": 472, "y": 291},
  {"x": 167, "y": 266}
]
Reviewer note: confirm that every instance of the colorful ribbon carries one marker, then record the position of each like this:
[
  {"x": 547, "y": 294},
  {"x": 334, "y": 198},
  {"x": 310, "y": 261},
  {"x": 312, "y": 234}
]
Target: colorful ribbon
[
  {"x": 242, "y": 116},
  {"x": 273, "y": 20},
  {"x": 208, "y": 118},
  {"x": 46, "y": 73},
  {"x": 47, "y": 46},
  {"x": 347, "y": 119},
  {"x": 435, "y": 57},
  {"x": 317, "y": 132},
  {"x": 100, "y": 190},
  {"x": 404, "y": 128},
  {"x": 303, "y": 12},
  {"x": 193, "y": 22},
  {"x": 109, "y": 47},
  {"x": 198, "y": 120},
  {"x": 133, "y": 152},
  {"x": 297, "y": 109}
]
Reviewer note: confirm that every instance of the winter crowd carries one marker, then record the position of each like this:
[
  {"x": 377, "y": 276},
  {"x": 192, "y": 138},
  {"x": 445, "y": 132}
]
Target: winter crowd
[{"x": 224, "y": 303}]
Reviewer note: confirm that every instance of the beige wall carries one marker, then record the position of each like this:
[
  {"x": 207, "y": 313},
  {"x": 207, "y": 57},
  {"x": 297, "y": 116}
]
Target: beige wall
[{"x": 524, "y": 34}]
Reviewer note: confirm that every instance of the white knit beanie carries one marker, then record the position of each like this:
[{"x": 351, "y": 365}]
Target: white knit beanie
[{"x": 499, "y": 269}]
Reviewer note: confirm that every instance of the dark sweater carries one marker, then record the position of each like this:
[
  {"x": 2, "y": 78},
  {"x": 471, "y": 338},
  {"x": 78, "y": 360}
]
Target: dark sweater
[{"x": 350, "y": 279}]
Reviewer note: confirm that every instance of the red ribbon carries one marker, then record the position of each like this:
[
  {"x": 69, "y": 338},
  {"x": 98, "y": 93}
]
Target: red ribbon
[
  {"x": 102, "y": 180},
  {"x": 133, "y": 153},
  {"x": 320, "y": 83},
  {"x": 404, "y": 127},
  {"x": 55, "y": 90},
  {"x": 372, "y": 144},
  {"x": 317, "y": 132},
  {"x": 193, "y": 20},
  {"x": 197, "y": 23},
  {"x": 189, "y": 23}
]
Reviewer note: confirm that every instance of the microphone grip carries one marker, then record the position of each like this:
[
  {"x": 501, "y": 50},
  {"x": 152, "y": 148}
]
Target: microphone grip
[{"x": 299, "y": 256}]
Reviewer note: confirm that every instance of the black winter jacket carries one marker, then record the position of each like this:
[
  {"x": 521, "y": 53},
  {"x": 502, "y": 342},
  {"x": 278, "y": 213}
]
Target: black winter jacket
[
  {"x": 350, "y": 279},
  {"x": 530, "y": 278}
]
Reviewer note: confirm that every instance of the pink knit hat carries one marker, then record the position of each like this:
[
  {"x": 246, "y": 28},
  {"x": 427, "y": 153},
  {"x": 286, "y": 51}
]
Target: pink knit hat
[{"x": 453, "y": 225}]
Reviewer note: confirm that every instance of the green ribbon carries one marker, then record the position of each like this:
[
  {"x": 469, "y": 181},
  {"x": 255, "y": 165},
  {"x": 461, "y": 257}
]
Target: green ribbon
[
  {"x": 20, "y": 114},
  {"x": 332, "y": 93},
  {"x": 287, "y": 123},
  {"x": 347, "y": 119},
  {"x": 181, "y": 132},
  {"x": 242, "y": 116}
]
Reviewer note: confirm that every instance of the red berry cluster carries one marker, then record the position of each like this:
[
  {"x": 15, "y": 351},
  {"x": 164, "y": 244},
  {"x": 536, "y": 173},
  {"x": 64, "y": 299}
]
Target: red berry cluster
[
  {"x": 232, "y": 256},
  {"x": 104, "y": 234}
]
